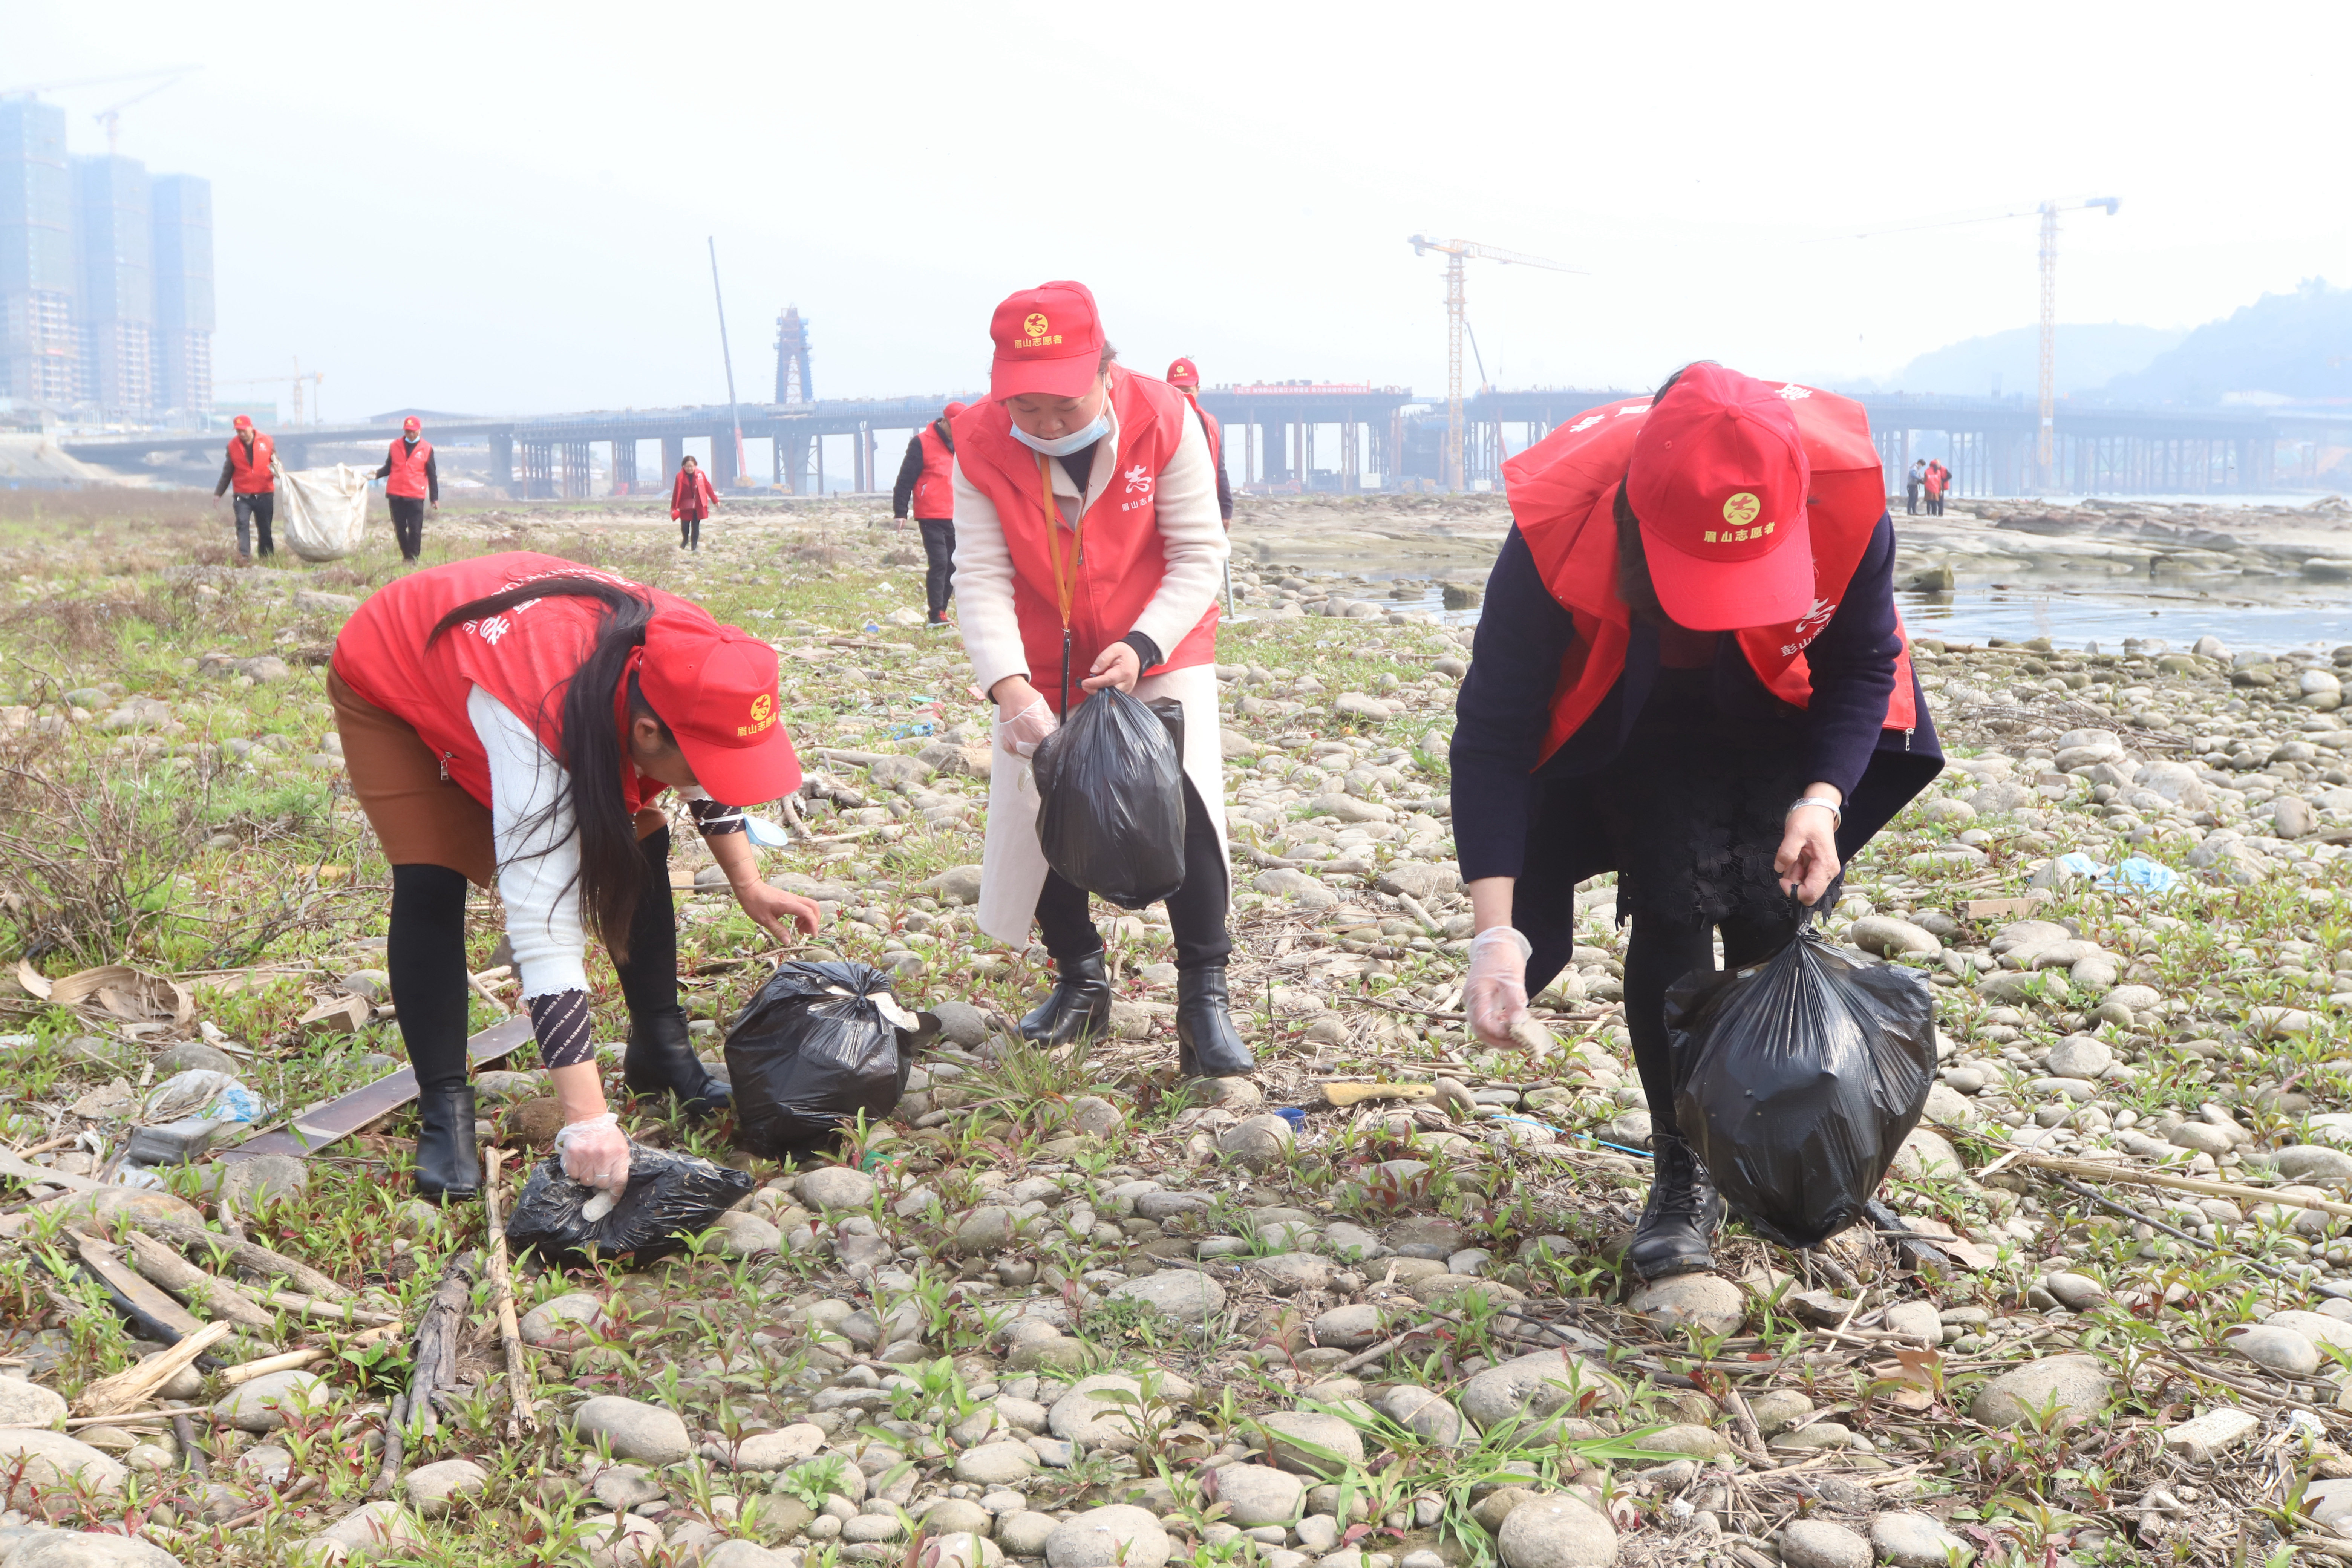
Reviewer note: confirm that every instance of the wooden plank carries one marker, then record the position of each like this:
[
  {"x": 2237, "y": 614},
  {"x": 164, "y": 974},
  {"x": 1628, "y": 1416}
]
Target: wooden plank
[
  {"x": 313, "y": 1129},
  {"x": 148, "y": 1304},
  {"x": 31, "y": 1174}
]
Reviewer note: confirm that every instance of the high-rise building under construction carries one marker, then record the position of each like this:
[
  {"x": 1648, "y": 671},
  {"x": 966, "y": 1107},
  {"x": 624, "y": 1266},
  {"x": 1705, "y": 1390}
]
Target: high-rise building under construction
[{"x": 106, "y": 277}]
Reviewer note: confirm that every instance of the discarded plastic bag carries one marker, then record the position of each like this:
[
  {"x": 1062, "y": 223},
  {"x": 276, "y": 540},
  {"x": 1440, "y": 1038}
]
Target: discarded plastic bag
[
  {"x": 1797, "y": 1079},
  {"x": 199, "y": 1091},
  {"x": 1110, "y": 786},
  {"x": 669, "y": 1197},
  {"x": 2133, "y": 873},
  {"x": 323, "y": 511},
  {"x": 818, "y": 1045}
]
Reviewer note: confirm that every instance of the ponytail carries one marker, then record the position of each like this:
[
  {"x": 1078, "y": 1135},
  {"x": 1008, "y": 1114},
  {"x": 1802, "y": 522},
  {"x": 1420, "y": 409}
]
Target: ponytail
[{"x": 613, "y": 870}]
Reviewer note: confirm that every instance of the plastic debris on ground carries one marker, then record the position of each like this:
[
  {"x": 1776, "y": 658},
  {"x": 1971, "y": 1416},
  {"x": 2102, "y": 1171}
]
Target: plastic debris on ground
[
  {"x": 1110, "y": 790},
  {"x": 2132, "y": 873},
  {"x": 1797, "y": 1079},
  {"x": 819, "y": 1045},
  {"x": 669, "y": 1197}
]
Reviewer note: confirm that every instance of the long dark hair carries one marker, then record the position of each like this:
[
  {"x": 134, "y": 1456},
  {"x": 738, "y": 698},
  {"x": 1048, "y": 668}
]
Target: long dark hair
[
  {"x": 612, "y": 868},
  {"x": 1633, "y": 584}
]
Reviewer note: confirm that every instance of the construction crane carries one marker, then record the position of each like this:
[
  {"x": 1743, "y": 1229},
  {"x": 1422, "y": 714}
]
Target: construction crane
[
  {"x": 1456, "y": 252},
  {"x": 2045, "y": 445},
  {"x": 294, "y": 381},
  {"x": 26, "y": 88},
  {"x": 112, "y": 117}
]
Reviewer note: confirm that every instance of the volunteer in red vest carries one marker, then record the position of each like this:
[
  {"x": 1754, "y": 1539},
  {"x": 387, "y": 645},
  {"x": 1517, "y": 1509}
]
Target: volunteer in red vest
[
  {"x": 927, "y": 484},
  {"x": 249, "y": 472},
  {"x": 1689, "y": 672},
  {"x": 511, "y": 722},
  {"x": 410, "y": 480},
  {"x": 1185, "y": 377},
  {"x": 691, "y": 500},
  {"x": 1117, "y": 587}
]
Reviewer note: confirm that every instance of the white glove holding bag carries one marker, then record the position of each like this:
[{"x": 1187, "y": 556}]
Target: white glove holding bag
[
  {"x": 595, "y": 1153},
  {"x": 1496, "y": 994},
  {"x": 1025, "y": 731}
]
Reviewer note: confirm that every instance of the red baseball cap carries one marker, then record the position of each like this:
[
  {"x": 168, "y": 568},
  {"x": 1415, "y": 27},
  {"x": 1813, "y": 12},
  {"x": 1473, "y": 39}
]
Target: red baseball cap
[
  {"x": 1719, "y": 479},
  {"x": 240, "y": 423},
  {"x": 715, "y": 686},
  {"x": 1049, "y": 342},
  {"x": 1183, "y": 373},
  {"x": 410, "y": 425},
  {"x": 953, "y": 409}
]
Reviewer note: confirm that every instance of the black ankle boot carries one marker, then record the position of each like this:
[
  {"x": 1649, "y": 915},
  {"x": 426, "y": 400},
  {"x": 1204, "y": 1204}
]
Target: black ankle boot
[
  {"x": 1679, "y": 1222},
  {"x": 1207, "y": 1044},
  {"x": 660, "y": 1060},
  {"x": 1079, "y": 1007},
  {"x": 447, "y": 1168}
]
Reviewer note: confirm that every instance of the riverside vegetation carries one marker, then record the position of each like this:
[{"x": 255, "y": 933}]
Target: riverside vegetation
[{"x": 1062, "y": 1307}]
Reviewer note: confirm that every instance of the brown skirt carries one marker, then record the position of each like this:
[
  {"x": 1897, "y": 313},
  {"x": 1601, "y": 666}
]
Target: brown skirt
[{"x": 421, "y": 818}]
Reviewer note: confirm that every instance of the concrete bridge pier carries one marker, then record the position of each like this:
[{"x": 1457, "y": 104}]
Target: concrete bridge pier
[
  {"x": 502, "y": 462},
  {"x": 624, "y": 466}
]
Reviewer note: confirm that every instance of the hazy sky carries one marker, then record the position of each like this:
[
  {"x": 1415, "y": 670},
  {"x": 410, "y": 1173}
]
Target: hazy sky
[{"x": 502, "y": 206}]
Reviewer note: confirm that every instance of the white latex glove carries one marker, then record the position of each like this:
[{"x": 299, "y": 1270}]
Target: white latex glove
[
  {"x": 1496, "y": 994},
  {"x": 1021, "y": 733},
  {"x": 595, "y": 1153}
]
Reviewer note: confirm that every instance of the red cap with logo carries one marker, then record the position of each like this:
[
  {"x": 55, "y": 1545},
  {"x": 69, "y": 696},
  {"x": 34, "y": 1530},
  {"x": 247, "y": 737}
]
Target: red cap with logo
[
  {"x": 715, "y": 686},
  {"x": 1719, "y": 479},
  {"x": 1183, "y": 373},
  {"x": 240, "y": 423},
  {"x": 951, "y": 410},
  {"x": 411, "y": 426},
  {"x": 1048, "y": 340}
]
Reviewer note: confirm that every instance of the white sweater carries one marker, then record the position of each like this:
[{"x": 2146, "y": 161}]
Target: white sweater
[
  {"x": 542, "y": 891},
  {"x": 1193, "y": 540}
]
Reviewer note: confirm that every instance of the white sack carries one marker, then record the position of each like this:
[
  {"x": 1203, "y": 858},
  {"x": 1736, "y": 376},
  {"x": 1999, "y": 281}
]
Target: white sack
[{"x": 323, "y": 511}]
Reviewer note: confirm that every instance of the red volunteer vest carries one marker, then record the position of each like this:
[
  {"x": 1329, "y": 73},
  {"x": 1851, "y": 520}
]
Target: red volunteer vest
[
  {"x": 249, "y": 472},
  {"x": 1119, "y": 560},
  {"x": 1563, "y": 493},
  {"x": 690, "y": 494},
  {"x": 935, "y": 485},
  {"x": 523, "y": 657},
  {"x": 407, "y": 476}
]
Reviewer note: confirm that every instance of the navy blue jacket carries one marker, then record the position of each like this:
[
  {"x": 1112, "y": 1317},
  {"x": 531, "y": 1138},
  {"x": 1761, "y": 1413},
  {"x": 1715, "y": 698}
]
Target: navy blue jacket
[{"x": 1512, "y": 818}]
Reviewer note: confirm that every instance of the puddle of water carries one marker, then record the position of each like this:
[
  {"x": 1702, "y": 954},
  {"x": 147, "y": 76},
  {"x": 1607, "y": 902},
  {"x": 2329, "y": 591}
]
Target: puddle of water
[{"x": 2071, "y": 619}]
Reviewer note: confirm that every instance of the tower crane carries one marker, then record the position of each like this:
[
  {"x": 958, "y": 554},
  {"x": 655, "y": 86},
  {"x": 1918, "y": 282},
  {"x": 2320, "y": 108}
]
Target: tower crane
[
  {"x": 111, "y": 116},
  {"x": 295, "y": 381},
  {"x": 1456, "y": 252},
  {"x": 2046, "y": 438}
]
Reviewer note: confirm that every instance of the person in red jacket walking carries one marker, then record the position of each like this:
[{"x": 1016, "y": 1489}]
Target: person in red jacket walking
[
  {"x": 691, "y": 500},
  {"x": 410, "y": 480},
  {"x": 927, "y": 483},
  {"x": 1088, "y": 554},
  {"x": 1185, "y": 377},
  {"x": 247, "y": 470},
  {"x": 512, "y": 720}
]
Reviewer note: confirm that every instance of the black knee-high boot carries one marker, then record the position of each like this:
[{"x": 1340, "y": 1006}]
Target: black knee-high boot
[
  {"x": 425, "y": 957},
  {"x": 660, "y": 1057}
]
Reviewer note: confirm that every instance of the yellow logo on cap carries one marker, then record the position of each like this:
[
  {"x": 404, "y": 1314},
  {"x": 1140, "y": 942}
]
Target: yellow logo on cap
[
  {"x": 763, "y": 714},
  {"x": 1036, "y": 325},
  {"x": 1741, "y": 509}
]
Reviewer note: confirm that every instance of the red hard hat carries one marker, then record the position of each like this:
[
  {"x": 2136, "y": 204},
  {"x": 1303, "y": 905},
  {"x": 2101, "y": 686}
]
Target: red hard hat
[
  {"x": 715, "y": 686},
  {"x": 240, "y": 423},
  {"x": 1183, "y": 373},
  {"x": 1048, "y": 340},
  {"x": 1718, "y": 478},
  {"x": 410, "y": 425}
]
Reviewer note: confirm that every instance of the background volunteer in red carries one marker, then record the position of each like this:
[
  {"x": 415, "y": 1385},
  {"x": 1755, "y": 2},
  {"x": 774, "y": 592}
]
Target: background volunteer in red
[
  {"x": 1185, "y": 377},
  {"x": 1688, "y": 670},
  {"x": 512, "y": 719},
  {"x": 1088, "y": 551},
  {"x": 247, "y": 470},
  {"x": 927, "y": 484},
  {"x": 410, "y": 480},
  {"x": 691, "y": 500}
]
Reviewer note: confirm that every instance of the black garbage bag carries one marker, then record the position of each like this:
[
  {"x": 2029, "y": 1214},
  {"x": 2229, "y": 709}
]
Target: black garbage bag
[
  {"x": 669, "y": 1197},
  {"x": 819, "y": 1044},
  {"x": 1797, "y": 1079},
  {"x": 1110, "y": 789}
]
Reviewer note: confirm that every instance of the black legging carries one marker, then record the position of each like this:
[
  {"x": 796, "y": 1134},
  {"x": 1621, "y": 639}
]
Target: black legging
[
  {"x": 409, "y": 524},
  {"x": 938, "y": 551},
  {"x": 1661, "y": 952},
  {"x": 426, "y": 958},
  {"x": 690, "y": 532},
  {"x": 1196, "y": 911}
]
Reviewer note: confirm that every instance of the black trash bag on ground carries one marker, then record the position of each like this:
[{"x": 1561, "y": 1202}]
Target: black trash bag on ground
[
  {"x": 669, "y": 1197},
  {"x": 1797, "y": 1079},
  {"x": 820, "y": 1043},
  {"x": 1111, "y": 788}
]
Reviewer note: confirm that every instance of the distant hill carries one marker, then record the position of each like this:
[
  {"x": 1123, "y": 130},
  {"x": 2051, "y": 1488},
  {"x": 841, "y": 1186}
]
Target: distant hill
[
  {"x": 2294, "y": 347},
  {"x": 2090, "y": 355}
]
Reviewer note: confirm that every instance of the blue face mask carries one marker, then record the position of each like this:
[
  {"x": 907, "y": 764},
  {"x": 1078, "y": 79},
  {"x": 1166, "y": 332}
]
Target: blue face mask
[{"x": 1076, "y": 441}]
